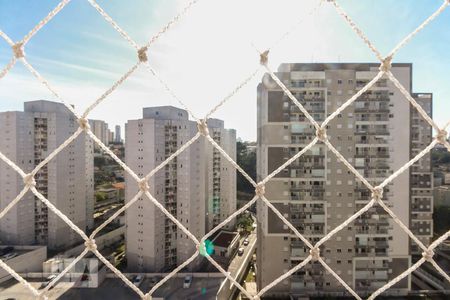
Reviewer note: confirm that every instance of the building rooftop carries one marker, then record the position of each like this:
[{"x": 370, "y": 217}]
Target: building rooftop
[
  {"x": 45, "y": 106},
  {"x": 286, "y": 67},
  {"x": 164, "y": 113},
  {"x": 224, "y": 238},
  {"x": 119, "y": 185}
]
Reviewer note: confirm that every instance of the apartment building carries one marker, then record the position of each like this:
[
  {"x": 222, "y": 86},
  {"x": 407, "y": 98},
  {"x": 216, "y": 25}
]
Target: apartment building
[
  {"x": 190, "y": 186},
  {"x": 66, "y": 181},
  {"x": 101, "y": 130},
  {"x": 317, "y": 192},
  {"x": 220, "y": 176},
  {"x": 117, "y": 135},
  {"x": 421, "y": 193}
]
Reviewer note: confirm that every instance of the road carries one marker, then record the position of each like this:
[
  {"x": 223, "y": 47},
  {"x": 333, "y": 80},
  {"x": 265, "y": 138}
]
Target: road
[
  {"x": 238, "y": 267},
  {"x": 237, "y": 264}
]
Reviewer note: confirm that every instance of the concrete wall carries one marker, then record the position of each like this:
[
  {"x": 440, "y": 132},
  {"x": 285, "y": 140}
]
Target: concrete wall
[
  {"x": 101, "y": 241},
  {"x": 30, "y": 261}
]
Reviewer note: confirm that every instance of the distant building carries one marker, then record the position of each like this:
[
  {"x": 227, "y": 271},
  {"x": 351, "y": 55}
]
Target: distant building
[
  {"x": 437, "y": 181},
  {"x": 220, "y": 176},
  {"x": 377, "y": 134},
  {"x": 421, "y": 180},
  {"x": 226, "y": 243},
  {"x": 66, "y": 181},
  {"x": 111, "y": 136},
  {"x": 442, "y": 196},
  {"x": 101, "y": 131},
  {"x": 118, "y": 138},
  {"x": 197, "y": 187},
  {"x": 447, "y": 178},
  {"x": 110, "y": 193}
]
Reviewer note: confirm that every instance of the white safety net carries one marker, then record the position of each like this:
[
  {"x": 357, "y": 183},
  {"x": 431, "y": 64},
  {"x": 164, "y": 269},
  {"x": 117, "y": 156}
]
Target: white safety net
[{"x": 321, "y": 136}]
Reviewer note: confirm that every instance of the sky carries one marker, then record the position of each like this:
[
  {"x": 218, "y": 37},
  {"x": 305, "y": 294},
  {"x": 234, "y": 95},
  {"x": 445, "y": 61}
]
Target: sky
[{"x": 209, "y": 51}]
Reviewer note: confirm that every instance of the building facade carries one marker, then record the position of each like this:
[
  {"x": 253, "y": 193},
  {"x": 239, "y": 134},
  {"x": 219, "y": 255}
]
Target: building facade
[
  {"x": 117, "y": 136},
  {"x": 66, "y": 181},
  {"x": 317, "y": 192},
  {"x": 101, "y": 131},
  {"x": 185, "y": 186},
  {"x": 421, "y": 186},
  {"x": 220, "y": 176},
  {"x": 441, "y": 196}
]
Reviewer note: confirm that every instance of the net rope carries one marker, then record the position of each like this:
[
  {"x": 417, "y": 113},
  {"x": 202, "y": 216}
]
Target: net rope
[{"x": 18, "y": 54}]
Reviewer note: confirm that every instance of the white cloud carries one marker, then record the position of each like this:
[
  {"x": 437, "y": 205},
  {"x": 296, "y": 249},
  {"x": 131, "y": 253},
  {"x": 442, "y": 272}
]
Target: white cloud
[{"x": 202, "y": 58}]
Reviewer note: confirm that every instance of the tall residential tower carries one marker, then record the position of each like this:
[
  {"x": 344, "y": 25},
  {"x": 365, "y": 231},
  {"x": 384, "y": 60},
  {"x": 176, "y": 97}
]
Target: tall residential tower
[
  {"x": 101, "y": 131},
  {"x": 66, "y": 181},
  {"x": 197, "y": 187},
  {"x": 117, "y": 135},
  {"x": 377, "y": 134}
]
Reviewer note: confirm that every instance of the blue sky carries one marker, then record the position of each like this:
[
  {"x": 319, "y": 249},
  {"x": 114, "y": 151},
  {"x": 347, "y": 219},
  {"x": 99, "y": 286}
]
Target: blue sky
[{"x": 209, "y": 51}]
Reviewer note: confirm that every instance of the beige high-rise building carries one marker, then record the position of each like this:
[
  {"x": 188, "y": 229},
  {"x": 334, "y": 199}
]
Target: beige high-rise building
[
  {"x": 377, "y": 134},
  {"x": 101, "y": 131},
  {"x": 220, "y": 175},
  {"x": 66, "y": 181},
  {"x": 421, "y": 193},
  {"x": 187, "y": 186}
]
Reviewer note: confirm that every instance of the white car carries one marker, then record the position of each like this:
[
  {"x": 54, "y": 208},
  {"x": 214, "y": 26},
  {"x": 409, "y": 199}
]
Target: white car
[
  {"x": 47, "y": 282},
  {"x": 137, "y": 280},
  {"x": 246, "y": 241},
  {"x": 187, "y": 282},
  {"x": 240, "y": 251},
  {"x": 9, "y": 256}
]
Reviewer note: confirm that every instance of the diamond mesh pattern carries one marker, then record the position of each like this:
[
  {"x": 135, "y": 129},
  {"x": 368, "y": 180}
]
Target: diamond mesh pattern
[{"x": 142, "y": 59}]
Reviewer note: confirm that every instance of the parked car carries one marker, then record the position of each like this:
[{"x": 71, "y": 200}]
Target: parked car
[
  {"x": 47, "y": 282},
  {"x": 187, "y": 281},
  {"x": 137, "y": 280},
  {"x": 9, "y": 255},
  {"x": 246, "y": 241},
  {"x": 240, "y": 251}
]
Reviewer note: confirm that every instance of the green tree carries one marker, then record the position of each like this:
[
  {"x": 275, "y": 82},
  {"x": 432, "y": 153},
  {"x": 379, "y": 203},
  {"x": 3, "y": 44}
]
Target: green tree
[
  {"x": 245, "y": 222},
  {"x": 247, "y": 160},
  {"x": 100, "y": 196},
  {"x": 441, "y": 219}
]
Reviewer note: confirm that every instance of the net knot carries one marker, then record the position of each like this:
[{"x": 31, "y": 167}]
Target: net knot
[
  {"x": 29, "y": 180},
  {"x": 428, "y": 254},
  {"x": 142, "y": 54},
  {"x": 315, "y": 254},
  {"x": 442, "y": 135},
  {"x": 264, "y": 57},
  {"x": 202, "y": 127},
  {"x": 260, "y": 190},
  {"x": 91, "y": 245},
  {"x": 143, "y": 185},
  {"x": 377, "y": 194},
  {"x": 18, "y": 50},
  {"x": 386, "y": 65},
  {"x": 84, "y": 124},
  {"x": 321, "y": 134}
]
